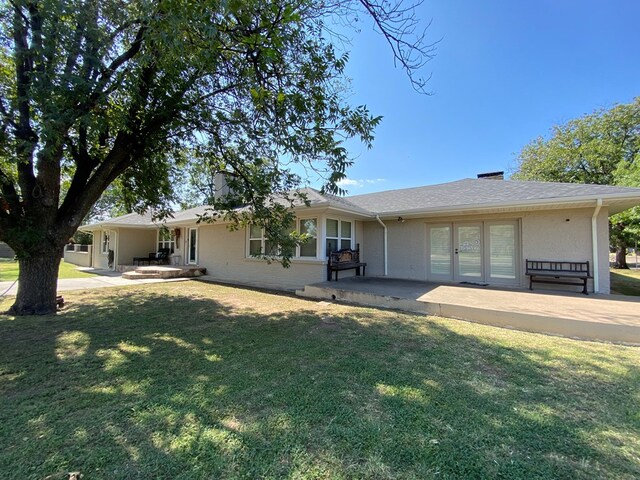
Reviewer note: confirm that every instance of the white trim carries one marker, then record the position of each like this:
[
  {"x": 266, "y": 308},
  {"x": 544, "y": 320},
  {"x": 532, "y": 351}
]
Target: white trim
[
  {"x": 339, "y": 238},
  {"x": 102, "y": 242},
  {"x": 385, "y": 245},
  {"x": 172, "y": 240},
  {"x": 188, "y": 256},
  {"x": 558, "y": 203},
  {"x": 594, "y": 244}
]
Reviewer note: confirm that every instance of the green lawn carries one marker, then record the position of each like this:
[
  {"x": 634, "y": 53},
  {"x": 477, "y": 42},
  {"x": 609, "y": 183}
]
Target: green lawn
[
  {"x": 626, "y": 282},
  {"x": 9, "y": 271},
  {"x": 192, "y": 380}
]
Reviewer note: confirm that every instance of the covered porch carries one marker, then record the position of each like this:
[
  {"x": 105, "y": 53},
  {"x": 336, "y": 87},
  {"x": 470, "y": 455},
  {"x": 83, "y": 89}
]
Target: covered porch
[{"x": 611, "y": 318}]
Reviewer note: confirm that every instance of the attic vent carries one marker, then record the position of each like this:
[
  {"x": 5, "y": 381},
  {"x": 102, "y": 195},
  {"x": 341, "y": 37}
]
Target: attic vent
[{"x": 492, "y": 175}]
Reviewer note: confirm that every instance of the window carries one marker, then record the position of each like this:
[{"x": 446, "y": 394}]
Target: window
[
  {"x": 338, "y": 235},
  {"x": 105, "y": 242},
  {"x": 309, "y": 226},
  {"x": 260, "y": 245},
  {"x": 167, "y": 239}
]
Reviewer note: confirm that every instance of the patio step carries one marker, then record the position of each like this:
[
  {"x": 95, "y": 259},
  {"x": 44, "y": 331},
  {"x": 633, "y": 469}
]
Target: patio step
[
  {"x": 135, "y": 275},
  {"x": 164, "y": 272}
]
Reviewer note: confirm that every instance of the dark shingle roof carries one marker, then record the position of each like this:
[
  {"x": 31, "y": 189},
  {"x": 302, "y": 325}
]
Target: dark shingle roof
[
  {"x": 471, "y": 192},
  {"x": 462, "y": 194}
]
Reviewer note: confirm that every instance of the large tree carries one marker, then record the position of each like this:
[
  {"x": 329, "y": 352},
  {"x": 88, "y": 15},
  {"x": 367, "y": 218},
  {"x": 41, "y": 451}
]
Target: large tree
[
  {"x": 599, "y": 148},
  {"x": 94, "y": 91}
]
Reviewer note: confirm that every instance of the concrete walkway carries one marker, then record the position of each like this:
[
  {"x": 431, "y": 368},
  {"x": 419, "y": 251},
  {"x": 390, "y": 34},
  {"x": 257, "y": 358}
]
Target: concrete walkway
[
  {"x": 102, "y": 279},
  {"x": 614, "y": 318}
]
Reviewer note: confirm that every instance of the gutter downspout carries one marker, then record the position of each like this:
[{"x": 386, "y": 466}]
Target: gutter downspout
[
  {"x": 385, "y": 243},
  {"x": 594, "y": 243}
]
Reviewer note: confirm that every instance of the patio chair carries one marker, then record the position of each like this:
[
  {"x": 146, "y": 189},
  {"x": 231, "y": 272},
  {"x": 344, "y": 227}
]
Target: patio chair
[{"x": 160, "y": 257}]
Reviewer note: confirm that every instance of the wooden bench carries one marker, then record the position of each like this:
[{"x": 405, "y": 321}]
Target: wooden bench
[
  {"x": 345, "y": 259},
  {"x": 558, "y": 272}
]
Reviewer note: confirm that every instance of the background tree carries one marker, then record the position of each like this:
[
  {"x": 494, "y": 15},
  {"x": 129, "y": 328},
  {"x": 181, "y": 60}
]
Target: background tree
[
  {"x": 94, "y": 91},
  {"x": 600, "y": 148}
]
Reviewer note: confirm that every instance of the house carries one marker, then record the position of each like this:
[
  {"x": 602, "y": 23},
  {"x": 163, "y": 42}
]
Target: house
[
  {"x": 6, "y": 251},
  {"x": 472, "y": 230}
]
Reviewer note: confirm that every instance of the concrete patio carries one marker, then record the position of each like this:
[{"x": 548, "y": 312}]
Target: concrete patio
[
  {"x": 613, "y": 318},
  {"x": 102, "y": 279}
]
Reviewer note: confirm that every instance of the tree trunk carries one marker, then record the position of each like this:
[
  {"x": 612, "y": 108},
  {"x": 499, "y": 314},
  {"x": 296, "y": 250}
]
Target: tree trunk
[
  {"x": 621, "y": 256},
  {"x": 37, "y": 284}
]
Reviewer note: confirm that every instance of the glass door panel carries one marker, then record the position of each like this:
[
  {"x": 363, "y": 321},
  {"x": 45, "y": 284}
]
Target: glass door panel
[
  {"x": 440, "y": 253},
  {"x": 193, "y": 246},
  {"x": 468, "y": 252},
  {"x": 502, "y": 241}
]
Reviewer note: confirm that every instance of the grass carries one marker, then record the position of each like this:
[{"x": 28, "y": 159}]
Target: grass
[
  {"x": 625, "y": 282},
  {"x": 9, "y": 271},
  {"x": 193, "y": 380}
]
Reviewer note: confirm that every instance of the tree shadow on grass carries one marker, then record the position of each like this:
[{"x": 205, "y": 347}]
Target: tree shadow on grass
[{"x": 143, "y": 384}]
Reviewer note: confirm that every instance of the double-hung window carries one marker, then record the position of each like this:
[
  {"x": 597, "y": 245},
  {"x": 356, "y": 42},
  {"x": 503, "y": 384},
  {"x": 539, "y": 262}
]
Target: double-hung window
[
  {"x": 167, "y": 239},
  {"x": 259, "y": 244},
  {"x": 339, "y": 235},
  {"x": 309, "y": 227}
]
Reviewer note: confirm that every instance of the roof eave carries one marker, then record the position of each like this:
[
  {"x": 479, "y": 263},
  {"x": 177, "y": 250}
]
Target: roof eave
[{"x": 580, "y": 201}]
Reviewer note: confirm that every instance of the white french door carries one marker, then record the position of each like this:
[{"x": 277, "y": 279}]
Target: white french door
[
  {"x": 476, "y": 252},
  {"x": 467, "y": 255}
]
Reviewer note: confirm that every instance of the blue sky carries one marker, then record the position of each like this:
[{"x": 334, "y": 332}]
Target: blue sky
[{"x": 504, "y": 73}]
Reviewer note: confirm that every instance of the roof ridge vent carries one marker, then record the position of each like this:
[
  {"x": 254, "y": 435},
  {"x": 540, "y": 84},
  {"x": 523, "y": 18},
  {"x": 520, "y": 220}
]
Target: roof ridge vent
[{"x": 492, "y": 176}]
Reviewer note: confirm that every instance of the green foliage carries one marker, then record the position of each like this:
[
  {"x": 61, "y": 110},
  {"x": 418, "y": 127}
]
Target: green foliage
[
  {"x": 589, "y": 149},
  {"x": 600, "y": 148},
  {"x": 94, "y": 93},
  {"x": 97, "y": 92}
]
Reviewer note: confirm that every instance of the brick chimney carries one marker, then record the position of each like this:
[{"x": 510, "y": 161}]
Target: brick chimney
[{"x": 492, "y": 176}]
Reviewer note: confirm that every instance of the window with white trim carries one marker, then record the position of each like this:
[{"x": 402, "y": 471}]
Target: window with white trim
[
  {"x": 106, "y": 242},
  {"x": 167, "y": 239},
  {"x": 308, "y": 226},
  {"x": 338, "y": 235},
  {"x": 259, "y": 244}
]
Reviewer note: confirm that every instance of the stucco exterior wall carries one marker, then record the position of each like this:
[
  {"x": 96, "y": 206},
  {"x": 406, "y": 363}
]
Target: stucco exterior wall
[
  {"x": 135, "y": 242},
  {"x": 82, "y": 259},
  {"x": 224, "y": 254},
  {"x": 372, "y": 248},
  {"x": 566, "y": 235}
]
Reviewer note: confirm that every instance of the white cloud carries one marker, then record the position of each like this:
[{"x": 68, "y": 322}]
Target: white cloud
[
  {"x": 350, "y": 182},
  {"x": 359, "y": 183}
]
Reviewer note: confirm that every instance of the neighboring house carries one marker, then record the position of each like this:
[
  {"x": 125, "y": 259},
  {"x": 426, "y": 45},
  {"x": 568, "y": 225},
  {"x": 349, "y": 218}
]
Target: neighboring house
[
  {"x": 471, "y": 230},
  {"x": 6, "y": 251}
]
